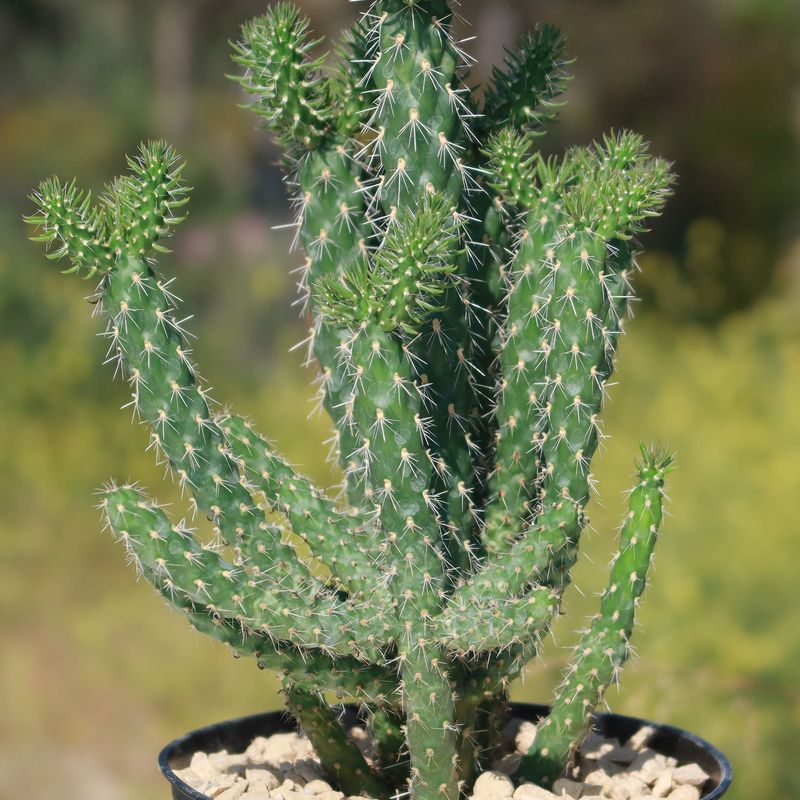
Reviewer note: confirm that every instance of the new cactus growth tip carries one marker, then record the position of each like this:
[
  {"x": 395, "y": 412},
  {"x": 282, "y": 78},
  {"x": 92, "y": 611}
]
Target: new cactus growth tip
[{"x": 467, "y": 296}]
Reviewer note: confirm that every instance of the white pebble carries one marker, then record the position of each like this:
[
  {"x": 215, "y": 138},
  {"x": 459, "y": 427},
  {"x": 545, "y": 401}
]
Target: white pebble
[
  {"x": 493, "y": 786},
  {"x": 259, "y": 777},
  {"x": 594, "y": 746},
  {"x": 530, "y": 791},
  {"x": 201, "y": 766},
  {"x": 663, "y": 785},
  {"x": 647, "y": 766},
  {"x": 525, "y": 735},
  {"x": 693, "y": 774},
  {"x": 641, "y": 737},
  {"x": 685, "y": 792},
  {"x": 627, "y": 788},
  {"x": 235, "y": 791},
  {"x": 598, "y": 777},
  {"x": 317, "y": 786}
]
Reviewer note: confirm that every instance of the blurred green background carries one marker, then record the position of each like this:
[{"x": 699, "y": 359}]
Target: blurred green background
[{"x": 95, "y": 675}]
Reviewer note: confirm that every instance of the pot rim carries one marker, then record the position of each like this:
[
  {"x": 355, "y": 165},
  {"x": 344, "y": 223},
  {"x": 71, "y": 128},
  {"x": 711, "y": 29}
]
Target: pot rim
[{"x": 532, "y": 711}]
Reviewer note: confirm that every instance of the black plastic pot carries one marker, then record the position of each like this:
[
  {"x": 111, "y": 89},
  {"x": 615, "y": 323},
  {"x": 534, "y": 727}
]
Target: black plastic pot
[{"x": 236, "y": 734}]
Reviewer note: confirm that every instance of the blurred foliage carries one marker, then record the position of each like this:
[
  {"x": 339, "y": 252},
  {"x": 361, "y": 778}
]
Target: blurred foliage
[{"x": 94, "y": 674}]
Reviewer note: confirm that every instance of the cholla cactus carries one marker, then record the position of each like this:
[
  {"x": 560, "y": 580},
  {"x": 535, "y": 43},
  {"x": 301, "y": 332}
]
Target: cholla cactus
[{"x": 467, "y": 295}]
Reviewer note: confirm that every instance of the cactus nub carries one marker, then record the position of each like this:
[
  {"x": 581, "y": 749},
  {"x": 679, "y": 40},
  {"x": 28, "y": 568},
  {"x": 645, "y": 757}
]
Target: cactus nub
[{"x": 467, "y": 297}]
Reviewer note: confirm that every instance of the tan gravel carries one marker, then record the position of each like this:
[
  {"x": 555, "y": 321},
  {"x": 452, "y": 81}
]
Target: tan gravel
[{"x": 284, "y": 767}]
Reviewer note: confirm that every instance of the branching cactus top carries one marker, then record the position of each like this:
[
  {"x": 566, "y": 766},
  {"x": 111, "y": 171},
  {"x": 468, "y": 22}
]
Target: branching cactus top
[{"x": 467, "y": 295}]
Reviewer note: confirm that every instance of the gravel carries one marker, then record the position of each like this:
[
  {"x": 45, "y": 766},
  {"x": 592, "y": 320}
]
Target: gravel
[{"x": 284, "y": 767}]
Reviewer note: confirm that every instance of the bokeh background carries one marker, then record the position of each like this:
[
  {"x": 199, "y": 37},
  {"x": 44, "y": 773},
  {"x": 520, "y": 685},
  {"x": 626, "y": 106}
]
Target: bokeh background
[{"x": 95, "y": 675}]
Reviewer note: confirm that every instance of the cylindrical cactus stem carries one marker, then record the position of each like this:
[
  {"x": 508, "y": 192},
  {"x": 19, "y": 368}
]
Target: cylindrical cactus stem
[
  {"x": 170, "y": 558},
  {"x": 338, "y": 540},
  {"x": 146, "y": 339},
  {"x": 415, "y": 142},
  {"x": 397, "y": 468},
  {"x": 344, "y": 676},
  {"x": 430, "y": 729},
  {"x": 523, "y": 403},
  {"x": 469, "y": 742},
  {"x": 600, "y": 654},
  {"x": 313, "y": 120},
  {"x": 280, "y": 74},
  {"x": 386, "y": 726},
  {"x": 338, "y": 753},
  {"x": 489, "y": 624},
  {"x": 419, "y": 111},
  {"x": 334, "y": 232}
]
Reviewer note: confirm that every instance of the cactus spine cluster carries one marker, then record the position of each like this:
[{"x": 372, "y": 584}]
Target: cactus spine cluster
[{"x": 467, "y": 295}]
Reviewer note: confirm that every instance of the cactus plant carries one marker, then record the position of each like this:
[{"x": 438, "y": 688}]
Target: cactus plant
[{"x": 467, "y": 295}]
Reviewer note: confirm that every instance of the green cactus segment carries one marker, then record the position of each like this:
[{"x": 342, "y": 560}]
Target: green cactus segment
[
  {"x": 334, "y": 233},
  {"x": 338, "y": 753},
  {"x": 67, "y": 219},
  {"x": 137, "y": 212},
  {"x": 525, "y": 93},
  {"x": 289, "y": 95},
  {"x": 332, "y": 228},
  {"x": 409, "y": 274},
  {"x": 515, "y": 167},
  {"x": 386, "y": 726},
  {"x": 532, "y": 331},
  {"x": 416, "y": 127},
  {"x": 616, "y": 186},
  {"x": 172, "y": 560},
  {"x": 397, "y": 469},
  {"x": 146, "y": 339},
  {"x": 343, "y": 676},
  {"x": 599, "y": 656},
  {"x": 431, "y": 732},
  {"x": 416, "y": 145},
  {"x": 148, "y": 345},
  {"x": 339, "y": 541},
  {"x": 490, "y": 625},
  {"x": 348, "y": 82},
  {"x": 565, "y": 320},
  {"x": 469, "y": 742},
  {"x": 141, "y": 205}
]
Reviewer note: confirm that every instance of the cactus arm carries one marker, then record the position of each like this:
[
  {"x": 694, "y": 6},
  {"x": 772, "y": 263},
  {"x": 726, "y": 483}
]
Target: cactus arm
[
  {"x": 334, "y": 232},
  {"x": 605, "y": 193},
  {"x": 331, "y": 222},
  {"x": 148, "y": 344},
  {"x": 430, "y": 728},
  {"x": 599, "y": 656},
  {"x": 337, "y": 540},
  {"x": 289, "y": 95},
  {"x": 343, "y": 676},
  {"x": 339, "y": 755},
  {"x": 525, "y": 93},
  {"x": 66, "y": 218},
  {"x": 419, "y": 112},
  {"x": 169, "y": 557},
  {"x": 386, "y": 727},
  {"x": 417, "y": 144},
  {"x": 486, "y": 625}
]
